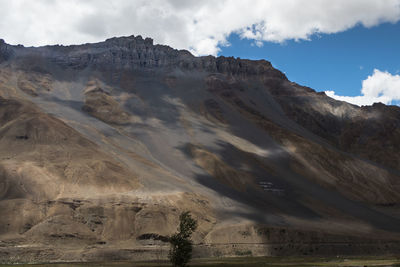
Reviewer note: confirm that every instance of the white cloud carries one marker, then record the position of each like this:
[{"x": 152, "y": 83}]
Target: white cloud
[
  {"x": 381, "y": 86},
  {"x": 201, "y": 26}
]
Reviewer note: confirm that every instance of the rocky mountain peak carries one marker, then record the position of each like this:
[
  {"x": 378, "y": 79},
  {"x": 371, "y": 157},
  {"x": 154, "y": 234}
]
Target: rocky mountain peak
[
  {"x": 124, "y": 41},
  {"x": 5, "y": 51}
]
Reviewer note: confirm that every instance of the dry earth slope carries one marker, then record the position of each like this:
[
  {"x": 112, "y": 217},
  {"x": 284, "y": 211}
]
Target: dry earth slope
[{"x": 103, "y": 145}]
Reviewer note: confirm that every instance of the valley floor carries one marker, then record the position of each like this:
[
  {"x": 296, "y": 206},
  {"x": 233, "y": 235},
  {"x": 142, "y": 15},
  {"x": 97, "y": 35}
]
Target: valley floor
[{"x": 244, "y": 261}]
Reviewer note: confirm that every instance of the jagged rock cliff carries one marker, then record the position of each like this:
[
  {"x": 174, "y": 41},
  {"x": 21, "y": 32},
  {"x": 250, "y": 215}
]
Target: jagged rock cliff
[
  {"x": 5, "y": 51},
  {"x": 103, "y": 145},
  {"x": 132, "y": 53}
]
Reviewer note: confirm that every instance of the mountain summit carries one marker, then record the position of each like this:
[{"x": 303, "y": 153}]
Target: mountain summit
[{"x": 103, "y": 145}]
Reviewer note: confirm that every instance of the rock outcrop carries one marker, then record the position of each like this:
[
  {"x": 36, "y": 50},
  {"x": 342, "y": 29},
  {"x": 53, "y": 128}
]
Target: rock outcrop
[
  {"x": 136, "y": 53},
  {"x": 5, "y": 51}
]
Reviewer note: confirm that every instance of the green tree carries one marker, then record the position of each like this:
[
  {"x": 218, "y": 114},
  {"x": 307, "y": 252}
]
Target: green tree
[{"x": 181, "y": 244}]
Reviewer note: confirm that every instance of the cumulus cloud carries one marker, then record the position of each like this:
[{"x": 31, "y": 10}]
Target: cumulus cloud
[
  {"x": 381, "y": 86},
  {"x": 200, "y": 26}
]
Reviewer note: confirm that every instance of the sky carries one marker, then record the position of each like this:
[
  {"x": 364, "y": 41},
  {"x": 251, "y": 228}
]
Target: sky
[
  {"x": 337, "y": 63},
  {"x": 347, "y": 48}
]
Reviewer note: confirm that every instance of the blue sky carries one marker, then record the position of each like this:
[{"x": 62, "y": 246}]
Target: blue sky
[{"x": 338, "y": 62}]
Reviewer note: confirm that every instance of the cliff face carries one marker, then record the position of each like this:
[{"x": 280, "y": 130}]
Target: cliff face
[
  {"x": 5, "y": 51},
  {"x": 103, "y": 145},
  {"x": 132, "y": 53}
]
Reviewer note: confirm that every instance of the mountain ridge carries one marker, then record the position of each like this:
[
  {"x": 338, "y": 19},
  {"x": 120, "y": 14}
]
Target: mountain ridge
[{"x": 136, "y": 52}]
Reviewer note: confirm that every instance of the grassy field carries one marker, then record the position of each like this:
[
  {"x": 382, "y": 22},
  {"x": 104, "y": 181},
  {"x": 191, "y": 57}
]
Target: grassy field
[{"x": 236, "y": 262}]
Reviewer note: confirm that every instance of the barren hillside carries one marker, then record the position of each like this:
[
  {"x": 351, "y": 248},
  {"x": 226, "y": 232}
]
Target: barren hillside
[{"x": 103, "y": 145}]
